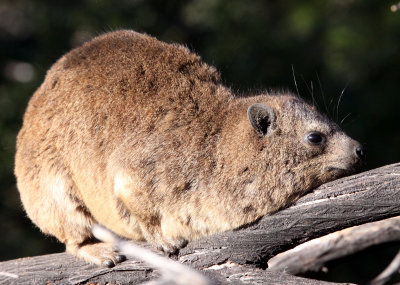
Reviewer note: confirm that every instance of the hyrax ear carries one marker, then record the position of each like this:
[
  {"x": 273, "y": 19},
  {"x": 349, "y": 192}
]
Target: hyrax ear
[{"x": 261, "y": 118}]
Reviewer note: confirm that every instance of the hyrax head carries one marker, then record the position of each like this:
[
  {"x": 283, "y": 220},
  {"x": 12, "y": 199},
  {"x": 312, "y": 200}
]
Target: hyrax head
[{"x": 293, "y": 147}]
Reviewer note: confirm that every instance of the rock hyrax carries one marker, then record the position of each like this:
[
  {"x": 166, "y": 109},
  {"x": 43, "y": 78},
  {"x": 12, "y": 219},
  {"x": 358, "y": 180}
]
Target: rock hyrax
[{"x": 142, "y": 137}]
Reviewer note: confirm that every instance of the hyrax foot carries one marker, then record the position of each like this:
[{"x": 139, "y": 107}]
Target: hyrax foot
[
  {"x": 154, "y": 235},
  {"x": 99, "y": 253},
  {"x": 172, "y": 247}
]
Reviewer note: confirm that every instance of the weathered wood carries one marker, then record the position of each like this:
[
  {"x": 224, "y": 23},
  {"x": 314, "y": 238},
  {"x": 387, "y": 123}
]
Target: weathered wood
[
  {"x": 62, "y": 268},
  {"x": 312, "y": 255},
  {"x": 240, "y": 274},
  {"x": 366, "y": 197}
]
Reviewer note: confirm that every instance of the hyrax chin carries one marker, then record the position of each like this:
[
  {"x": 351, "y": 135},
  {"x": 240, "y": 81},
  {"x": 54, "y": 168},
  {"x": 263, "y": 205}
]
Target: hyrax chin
[{"x": 142, "y": 137}]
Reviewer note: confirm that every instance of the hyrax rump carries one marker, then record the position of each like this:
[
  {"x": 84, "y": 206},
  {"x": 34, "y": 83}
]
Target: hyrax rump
[{"x": 142, "y": 137}]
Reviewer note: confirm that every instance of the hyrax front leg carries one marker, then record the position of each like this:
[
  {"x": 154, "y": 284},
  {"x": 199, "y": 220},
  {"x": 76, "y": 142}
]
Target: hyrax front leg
[
  {"x": 99, "y": 253},
  {"x": 134, "y": 197}
]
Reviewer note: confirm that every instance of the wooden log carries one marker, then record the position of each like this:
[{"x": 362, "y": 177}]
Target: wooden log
[
  {"x": 369, "y": 196},
  {"x": 62, "y": 268}
]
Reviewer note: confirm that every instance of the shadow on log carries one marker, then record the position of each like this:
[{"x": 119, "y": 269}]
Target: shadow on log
[{"x": 240, "y": 256}]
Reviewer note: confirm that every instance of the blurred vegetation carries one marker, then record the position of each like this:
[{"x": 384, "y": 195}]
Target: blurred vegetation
[{"x": 343, "y": 46}]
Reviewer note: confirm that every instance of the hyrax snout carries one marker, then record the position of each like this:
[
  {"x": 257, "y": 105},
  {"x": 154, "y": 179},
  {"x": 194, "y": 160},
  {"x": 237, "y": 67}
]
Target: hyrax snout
[{"x": 142, "y": 137}]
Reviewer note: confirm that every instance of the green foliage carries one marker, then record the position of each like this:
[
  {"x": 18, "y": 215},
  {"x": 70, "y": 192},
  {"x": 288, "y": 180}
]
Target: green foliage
[{"x": 331, "y": 45}]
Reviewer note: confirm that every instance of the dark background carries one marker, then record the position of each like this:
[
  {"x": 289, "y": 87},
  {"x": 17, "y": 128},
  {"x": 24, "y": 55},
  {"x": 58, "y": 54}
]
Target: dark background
[{"x": 338, "y": 46}]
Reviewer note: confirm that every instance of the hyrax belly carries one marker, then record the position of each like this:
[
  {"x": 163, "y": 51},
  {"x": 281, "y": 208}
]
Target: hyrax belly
[{"x": 142, "y": 137}]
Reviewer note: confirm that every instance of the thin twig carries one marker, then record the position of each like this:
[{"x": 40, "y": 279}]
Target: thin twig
[{"x": 172, "y": 272}]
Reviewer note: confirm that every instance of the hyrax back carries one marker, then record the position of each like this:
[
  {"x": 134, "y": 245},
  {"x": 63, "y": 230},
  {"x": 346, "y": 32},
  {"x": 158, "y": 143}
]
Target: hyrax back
[{"x": 142, "y": 137}]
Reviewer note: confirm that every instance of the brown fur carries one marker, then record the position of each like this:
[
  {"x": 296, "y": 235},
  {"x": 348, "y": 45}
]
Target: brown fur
[{"x": 142, "y": 137}]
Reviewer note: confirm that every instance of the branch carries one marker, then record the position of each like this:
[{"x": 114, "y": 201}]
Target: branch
[
  {"x": 312, "y": 255},
  {"x": 228, "y": 256}
]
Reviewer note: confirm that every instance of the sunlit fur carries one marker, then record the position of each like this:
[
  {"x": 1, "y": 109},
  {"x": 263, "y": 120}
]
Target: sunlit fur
[{"x": 142, "y": 137}]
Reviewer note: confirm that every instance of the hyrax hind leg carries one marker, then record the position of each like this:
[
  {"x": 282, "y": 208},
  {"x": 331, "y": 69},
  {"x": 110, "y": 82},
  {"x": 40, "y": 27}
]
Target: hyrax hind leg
[{"x": 52, "y": 202}]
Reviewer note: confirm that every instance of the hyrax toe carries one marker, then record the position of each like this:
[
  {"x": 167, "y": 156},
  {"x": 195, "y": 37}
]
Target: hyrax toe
[
  {"x": 181, "y": 243},
  {"x": 172, "y": 247},
  {"x": 120, "y": 258},
  {"x": 99, "y": 253}
]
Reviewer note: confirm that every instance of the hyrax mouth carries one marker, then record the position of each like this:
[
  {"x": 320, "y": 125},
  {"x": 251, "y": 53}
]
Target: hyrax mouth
[
  {"x": 349, "y": 165},
  {"x": 342, "y": 172}
]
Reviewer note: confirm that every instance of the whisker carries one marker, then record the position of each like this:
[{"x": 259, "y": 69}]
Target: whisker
[
  {"x": 312, "y": 93},
  {"x": 322, "y": 92},
  {"x": 333, "y": 109},
  {"x": 341, "y": 122},
  {"x": 305, "y": 82},
  {"x": 338, "y": 103},
  {"x": 351, "y": 122},
  {"x": 295, "y": 82}
]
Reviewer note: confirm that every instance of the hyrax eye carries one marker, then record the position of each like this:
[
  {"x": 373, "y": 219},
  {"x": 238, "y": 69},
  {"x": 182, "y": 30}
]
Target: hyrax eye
[{"x": 315, "y": 138}]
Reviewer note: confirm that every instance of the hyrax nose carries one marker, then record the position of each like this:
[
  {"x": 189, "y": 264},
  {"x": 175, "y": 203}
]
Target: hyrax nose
[{"x": 360, "y": 152}]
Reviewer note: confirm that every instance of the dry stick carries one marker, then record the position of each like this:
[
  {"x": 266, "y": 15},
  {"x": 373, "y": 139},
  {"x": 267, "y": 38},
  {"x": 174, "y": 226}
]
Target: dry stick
[
  {"x": 312, "y": 255},
  {"x": 389, "y": 272}
]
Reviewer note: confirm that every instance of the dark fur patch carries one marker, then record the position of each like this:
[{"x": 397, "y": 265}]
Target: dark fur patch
[
  {"x": 55, "y": 81},
  {"x": 248, "y": 209},
  {"x": 79, "y": 204},
  {"x": 122, "y": 211}
]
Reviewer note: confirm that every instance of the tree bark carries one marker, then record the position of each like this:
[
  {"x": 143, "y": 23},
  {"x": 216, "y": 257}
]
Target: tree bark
[{"x": 239, "y": 256}]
